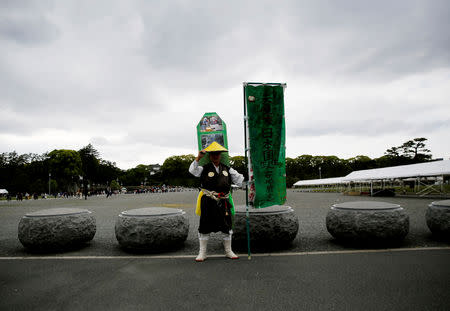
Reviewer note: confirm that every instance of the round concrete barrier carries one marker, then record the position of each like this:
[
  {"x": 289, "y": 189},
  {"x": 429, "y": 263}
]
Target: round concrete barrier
[
  {"x": 368, "y": 221},
  {"x": 438, "y": 218},
  {"x": 56, "y": 228},
  {"x": 270, "y": 227},
  {"x": 152, "y": 228}
]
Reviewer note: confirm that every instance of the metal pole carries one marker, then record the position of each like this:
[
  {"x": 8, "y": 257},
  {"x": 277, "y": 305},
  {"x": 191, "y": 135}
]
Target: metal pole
[
  {"x": 49, "y": 176},
  {"x": 247, "y": 220}
]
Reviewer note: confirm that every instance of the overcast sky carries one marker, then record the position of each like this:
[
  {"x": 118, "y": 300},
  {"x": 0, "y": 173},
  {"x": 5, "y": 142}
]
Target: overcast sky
[{"x": 134, "y": 77}]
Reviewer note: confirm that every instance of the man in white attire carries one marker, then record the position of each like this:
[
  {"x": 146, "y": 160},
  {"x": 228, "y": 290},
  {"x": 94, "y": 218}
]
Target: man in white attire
[{"x": 216, "y": 179}]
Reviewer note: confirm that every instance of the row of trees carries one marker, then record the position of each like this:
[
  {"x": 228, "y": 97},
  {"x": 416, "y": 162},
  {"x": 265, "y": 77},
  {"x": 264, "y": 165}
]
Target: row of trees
[
  {"x": 60, "y": 170},
  {"x": 71, "y": 170},
  {"x": 306, "y": 167}
]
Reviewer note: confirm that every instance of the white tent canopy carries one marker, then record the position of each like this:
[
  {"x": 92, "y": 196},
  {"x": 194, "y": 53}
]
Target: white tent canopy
[
  {"x": 3, "y": 191},
  {"x": 428, "y": 169},
  {"x": 435, "y": 168},
  {"x": 323, "y": 181}
]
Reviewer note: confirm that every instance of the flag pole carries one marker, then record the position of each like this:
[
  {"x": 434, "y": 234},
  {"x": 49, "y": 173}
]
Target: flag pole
[{"x": 247, "y": 220}]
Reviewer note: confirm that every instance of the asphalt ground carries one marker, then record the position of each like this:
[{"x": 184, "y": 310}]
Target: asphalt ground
[
  {"x": 316, "y": 273},
  {"x": 380, "y": 280}
]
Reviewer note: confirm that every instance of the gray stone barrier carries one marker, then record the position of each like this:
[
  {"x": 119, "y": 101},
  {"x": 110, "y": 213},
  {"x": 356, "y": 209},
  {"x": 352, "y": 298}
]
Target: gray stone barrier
[
  {"x": 152, "y": 228},
  {"x": 367, "y": 221},
  {"x": 270, "y": 227},
  {"x": 438, "y": 218},
  {"x": 56, "y": 228}
]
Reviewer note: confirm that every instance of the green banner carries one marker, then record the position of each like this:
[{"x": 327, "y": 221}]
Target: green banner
[
  {"x": 212, "y": 128},
  {"x": 266, "y": 139}
]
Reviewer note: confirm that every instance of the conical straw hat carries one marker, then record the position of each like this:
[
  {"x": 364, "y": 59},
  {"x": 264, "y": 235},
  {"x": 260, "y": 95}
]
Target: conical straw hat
[{"x": 215, "y": 147}]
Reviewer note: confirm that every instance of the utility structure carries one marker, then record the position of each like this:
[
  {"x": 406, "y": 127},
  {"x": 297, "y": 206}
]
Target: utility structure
[{"x": 49, "y": 179}]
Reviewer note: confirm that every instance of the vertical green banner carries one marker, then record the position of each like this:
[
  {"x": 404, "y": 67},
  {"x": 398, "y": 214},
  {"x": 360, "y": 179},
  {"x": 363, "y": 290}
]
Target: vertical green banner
[
  {"x": 266, "y": 139},
  {"x": 212, "y": 128}
]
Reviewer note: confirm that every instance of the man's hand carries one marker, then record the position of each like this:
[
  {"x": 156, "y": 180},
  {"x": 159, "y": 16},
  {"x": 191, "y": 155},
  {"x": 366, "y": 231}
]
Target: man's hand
[
  {"x": 200, "y": 155},
  {"x": 244, "y": 185}
]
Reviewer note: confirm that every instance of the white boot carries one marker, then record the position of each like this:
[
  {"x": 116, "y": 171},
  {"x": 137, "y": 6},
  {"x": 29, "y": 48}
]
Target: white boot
[
  {"x": 202, "y": 251},
  {"x": 228, "y": 252}
]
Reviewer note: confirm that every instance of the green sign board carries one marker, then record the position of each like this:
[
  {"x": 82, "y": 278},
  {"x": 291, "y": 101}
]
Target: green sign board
[
  {"x": 264, "y": 107},
  {"x": 212, "y": 128}
]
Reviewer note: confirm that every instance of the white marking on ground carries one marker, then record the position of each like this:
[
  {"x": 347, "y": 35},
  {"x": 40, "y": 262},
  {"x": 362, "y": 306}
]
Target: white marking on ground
[{"x": 242, "y": 256}]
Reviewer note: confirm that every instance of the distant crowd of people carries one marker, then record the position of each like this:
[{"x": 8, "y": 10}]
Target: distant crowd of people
[
  {"x": 20, "y": 196},
  {"x": 161, "y": 189}
]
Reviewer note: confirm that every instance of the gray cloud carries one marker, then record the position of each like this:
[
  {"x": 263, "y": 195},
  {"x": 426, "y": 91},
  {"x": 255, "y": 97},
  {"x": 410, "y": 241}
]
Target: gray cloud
[
  {"x": 369, "y": 127},
  {"x": 380, "y": 39},
  {"x": 28, "y": 30},
  {"x": 136, "y": 76},
  {"x": 12, "y": 125}
]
